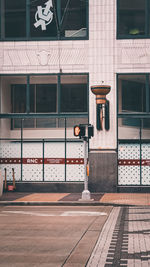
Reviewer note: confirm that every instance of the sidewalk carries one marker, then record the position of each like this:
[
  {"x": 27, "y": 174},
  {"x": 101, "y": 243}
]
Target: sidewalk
[
  {"x": 124, "y": 239},
  {"x": 115, "y": 199}
]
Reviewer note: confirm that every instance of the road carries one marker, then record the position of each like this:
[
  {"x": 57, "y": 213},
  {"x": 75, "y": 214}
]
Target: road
[
  {"x": 75, "y": 236},
  {"x": 49, "y": 236}
]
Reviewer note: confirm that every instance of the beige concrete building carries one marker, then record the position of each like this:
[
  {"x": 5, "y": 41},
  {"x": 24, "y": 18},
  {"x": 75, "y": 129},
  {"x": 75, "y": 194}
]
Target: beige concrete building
[{"x": 51, "y": 53}]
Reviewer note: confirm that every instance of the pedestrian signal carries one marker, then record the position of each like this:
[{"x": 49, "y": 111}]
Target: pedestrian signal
[
  {"x": 76, "y": 130},
  {"x": 90, "y": 131},
  {"x": 79, "y": 130}
]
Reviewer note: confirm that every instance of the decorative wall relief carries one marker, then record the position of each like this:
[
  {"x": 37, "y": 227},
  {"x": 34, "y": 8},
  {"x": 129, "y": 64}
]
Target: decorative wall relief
[{"x": 43, "y": 57}]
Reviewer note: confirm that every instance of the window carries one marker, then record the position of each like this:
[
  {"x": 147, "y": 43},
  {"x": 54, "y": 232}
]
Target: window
[
  {"x": 13, "y": 18},
  {"x": 74, "y": 23},
  {"x": 73, "y": 93},
  {"x": 133, "y": 105},
  {"x": 132, "y": 93},
  {"x": 45, "y": 94},
  {"x": 42, "y": 95},
  {"x": 42, "y": 19},
  {"x": 46, "y": 98},
  {"x": 18, "y": 98},
  {"x": 133, "y": 19},
  {"x": 42, "y": 98},
  {"x": 48, "y": 28},
  {"x": 133, "y": 129}
]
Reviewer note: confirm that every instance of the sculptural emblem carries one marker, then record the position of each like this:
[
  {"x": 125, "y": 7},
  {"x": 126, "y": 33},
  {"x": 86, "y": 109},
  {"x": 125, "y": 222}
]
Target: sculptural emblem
[{"x": 44, "y": 15}]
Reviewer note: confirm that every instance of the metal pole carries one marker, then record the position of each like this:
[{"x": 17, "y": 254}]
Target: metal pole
[
  {"x": 85, "y": 165},
  {"x": 86, "y": 195},
  {"x": 5, "y": 184},
  {"x": 13, "y": 174}
]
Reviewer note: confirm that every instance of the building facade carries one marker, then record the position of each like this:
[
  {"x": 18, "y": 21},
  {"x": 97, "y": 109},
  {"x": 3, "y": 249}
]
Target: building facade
[{"x": 51, "y": 53}]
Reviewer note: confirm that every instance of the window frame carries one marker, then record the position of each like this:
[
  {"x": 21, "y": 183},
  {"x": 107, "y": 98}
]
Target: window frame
[
  {"x": 147, "y": 95},
  {"x": 58, "y": 115},
  {"x": 139, "y": 117},
  {"x": 134, "y": 36},
  {"x": 132, "y": 115},
  {"x": 58, "y": 85},
  {"x": 29, "y": 38}
]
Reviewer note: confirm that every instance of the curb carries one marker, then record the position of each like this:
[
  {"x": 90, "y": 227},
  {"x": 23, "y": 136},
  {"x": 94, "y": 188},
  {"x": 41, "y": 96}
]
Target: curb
[{"x": 62, "y": 203}]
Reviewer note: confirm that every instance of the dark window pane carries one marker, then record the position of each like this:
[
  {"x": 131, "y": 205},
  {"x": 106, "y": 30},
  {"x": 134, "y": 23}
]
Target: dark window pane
[
  {"x": 73, "y": 98},
  {"x": 74, "y": 22},
  {"x": 149, "y": 17},
  {"x": 131, "y": 17},
  {"x": 19, "y": 98},
  {"x": 131, "y": 122},
  {"x": 42, "y": 19},
  {"x": 28, "y": 123},
  {"x": 46, "y": 97},
  {"x": 132, "y": 93},
  {"x": 15, "y": 123},
  {"x": 46, "y": 123},
  {"x": 15, "y": 18},
  {"x": 32, "y": 98}
]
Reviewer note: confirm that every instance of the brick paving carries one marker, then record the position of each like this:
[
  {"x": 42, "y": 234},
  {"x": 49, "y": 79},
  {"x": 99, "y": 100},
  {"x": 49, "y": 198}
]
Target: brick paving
[
  {"x": 46, "y": 197},
  {"x": 77, "y": 196},
  {"x": 124, "y": 240},
  {"x": 126, "y": 198},
  {"x": 103, "y": 198},
  {"x": 11, "y": 196}
]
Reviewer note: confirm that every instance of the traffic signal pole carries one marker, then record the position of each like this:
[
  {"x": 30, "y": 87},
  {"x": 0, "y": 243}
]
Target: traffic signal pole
[
  {"x": 86, "y": 195},
  {"x": 85, "y": 132}
]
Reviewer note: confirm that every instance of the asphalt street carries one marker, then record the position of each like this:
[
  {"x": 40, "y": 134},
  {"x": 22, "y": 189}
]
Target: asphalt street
[
  {"x": 49, "y": 236},
  {"x": 75, "y": 236}
]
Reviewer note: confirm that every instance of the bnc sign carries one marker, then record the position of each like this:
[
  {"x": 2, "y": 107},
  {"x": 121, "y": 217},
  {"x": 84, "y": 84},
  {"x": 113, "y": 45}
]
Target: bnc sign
[{"x": 44, "y": 15}]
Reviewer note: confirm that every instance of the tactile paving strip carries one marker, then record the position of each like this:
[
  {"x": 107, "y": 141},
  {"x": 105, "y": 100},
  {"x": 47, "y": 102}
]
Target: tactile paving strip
[
  {"x": 118, "y": 250},
  {"x": 99, "y": 255}
]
